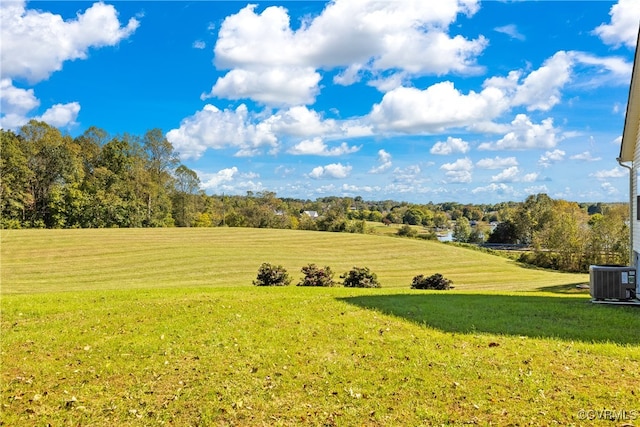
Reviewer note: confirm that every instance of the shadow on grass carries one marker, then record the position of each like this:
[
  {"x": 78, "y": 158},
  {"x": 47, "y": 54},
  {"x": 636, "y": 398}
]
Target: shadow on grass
[
  {"x": 566, "y": 318},
  {"x": 581, "y": 288}
]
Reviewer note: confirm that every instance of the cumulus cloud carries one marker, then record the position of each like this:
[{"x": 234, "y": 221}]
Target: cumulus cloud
[
  {"x": 507, "y": 175},
  {"x": 212, "y": 128},
  {"x": 458, "y": 171},
  {"x": 215, "y": 128},
  {"x": 61, "y": 115},
  {"x": 611, "y": 173},
  {"x": 278, "y": 86},
  {"x": 497, "y": 162},
  {"x": 199, "y": 44},
  {"x": 540, "y": 90},
  {"x": 301, "y": 122},
  {"x": 384, "y": 162},
  {"x": 408, "y": 175},
  {"x": 496, "y": 188},
  {"x": 317, "y": 147},
  {"x": 609, "y": 188},
  {"x": 450, "y": 146},
  {"x": 436, "y": 108},
  {"x": 213, "y": 181},
  {"x": 16, "y": 104},
  {"x": 15, "y": 100},
  {"x": 623, "y": 27},
  {"x": 550, "y": 157},
  {"x": 36, "y": 44},
  {"x": 405, "y": 37},
  {"x": 525, "y": 134},
  {"x": 334, "y": 170}
]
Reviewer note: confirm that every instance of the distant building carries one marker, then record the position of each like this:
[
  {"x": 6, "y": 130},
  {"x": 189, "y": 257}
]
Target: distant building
[{"x": 312, "y": 214}]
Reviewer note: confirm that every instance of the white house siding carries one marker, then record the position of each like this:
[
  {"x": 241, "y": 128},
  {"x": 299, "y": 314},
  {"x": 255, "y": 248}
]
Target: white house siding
[{"x": 634, "y": 191}]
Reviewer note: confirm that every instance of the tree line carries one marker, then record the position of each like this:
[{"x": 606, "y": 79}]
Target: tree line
[{"x": 52, "y": 180}]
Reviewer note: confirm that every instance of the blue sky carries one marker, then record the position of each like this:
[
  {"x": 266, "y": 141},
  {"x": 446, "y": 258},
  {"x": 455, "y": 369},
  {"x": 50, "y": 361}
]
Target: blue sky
[{"x": 448, "y": 100}]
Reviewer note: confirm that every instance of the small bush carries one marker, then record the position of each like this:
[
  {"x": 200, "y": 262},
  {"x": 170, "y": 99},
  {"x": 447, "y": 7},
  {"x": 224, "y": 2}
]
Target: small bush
[
  {"x": 407, "y": 231},
  {"x": 272, "y": 275},
  {"x": 435, "y": 281},
  {"x": 316, "y": 276},
  {"x": 360, "y": 277}
]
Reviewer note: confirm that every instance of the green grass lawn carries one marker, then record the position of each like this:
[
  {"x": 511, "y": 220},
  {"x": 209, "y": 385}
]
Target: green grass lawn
[{"x": 163, "y": 327}]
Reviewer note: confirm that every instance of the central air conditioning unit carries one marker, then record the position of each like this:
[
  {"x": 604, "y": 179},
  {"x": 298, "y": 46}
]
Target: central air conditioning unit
[{"x": 612, "y": 282}]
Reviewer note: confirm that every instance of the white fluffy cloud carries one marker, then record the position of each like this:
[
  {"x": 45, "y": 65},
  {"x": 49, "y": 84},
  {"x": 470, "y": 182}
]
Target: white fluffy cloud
[
  {"x": 540, "y": 90},
  {"x": 406, "y": 37},
  {"x": 300, "y": 122},
  {"x": 525, "y": 134},
  {"x": 61, "y": 115},
  {"x": 214, "y": 128},
  {"x": 436, "y": 108},
  {"x": 334, "y": 170},
  {"x": 35, "y": 44},
  {"x": 623, "y": 28},
  {"x": 550, "y": 157},
  {"x": 497, "y": 162},
  {"x": 272, "y": 86},
  {"x": 450, "y": 146},
  {"x": 213, "y": 181},
  {"x": 458, "y": 171},
  {"x": 384, "y": 162},
  {"x": 611, "y": 173},
  {"x": 16, "y": 100},
  {"x": 317, "y": 147},
  {"x": 17, "y": 103},
  {"x": 507, "y": 175},
  {"x": 496, "y": 188},
  {"x": 585, "y": 156}
]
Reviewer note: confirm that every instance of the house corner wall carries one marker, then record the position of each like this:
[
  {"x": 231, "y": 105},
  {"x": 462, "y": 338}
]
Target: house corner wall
[{"x": 634, "y": 199}]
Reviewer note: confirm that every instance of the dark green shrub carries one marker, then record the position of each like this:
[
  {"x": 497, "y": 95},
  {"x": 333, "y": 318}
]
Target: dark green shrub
[
  {"x": 435, "y": 281},
  {"x": 316, "y": 276},
  {"x": 407, "y": 231},
  {"x": 360, "y": 277},
  {"x": 272, "y": 275}
]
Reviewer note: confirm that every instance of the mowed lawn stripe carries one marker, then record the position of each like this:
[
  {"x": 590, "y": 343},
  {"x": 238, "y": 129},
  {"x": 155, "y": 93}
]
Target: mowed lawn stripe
[{"x": 54, "y": 260}]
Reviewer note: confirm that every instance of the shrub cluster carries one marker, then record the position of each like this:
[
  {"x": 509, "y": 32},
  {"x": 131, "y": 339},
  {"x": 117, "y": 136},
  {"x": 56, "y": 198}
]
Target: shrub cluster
[
  {"x": 316, "y": 276},
  {"x": 276, "y": 275},
  {"x": 360, "y": 277},
  {"x": 272, "y": 275},
  {"x": 357, "y": 277},
  {"x": 435, "y": 281}
]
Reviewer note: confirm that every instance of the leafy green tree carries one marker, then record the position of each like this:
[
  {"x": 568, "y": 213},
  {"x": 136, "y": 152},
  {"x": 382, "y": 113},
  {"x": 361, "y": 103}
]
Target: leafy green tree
[
  {"x": 462, "y": 230},
  {"x": 161, "y": 160},
  {"x": 412, "y": 216},
  {"x": 185, "y": 198},
  {"x": 532, "y": 216},
  {"x": 608, "y": 239},
  {"x": 505, "y": 232},
  {"x": 564, "y": 233},
  {"x": 440, "y": 219},
  {"x": 15, "y": 177},
  {"x": 52, "y": 164}
]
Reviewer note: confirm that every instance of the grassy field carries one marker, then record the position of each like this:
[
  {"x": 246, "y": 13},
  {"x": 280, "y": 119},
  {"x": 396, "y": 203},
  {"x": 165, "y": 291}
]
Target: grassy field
[{"x": 163, "y": 327}]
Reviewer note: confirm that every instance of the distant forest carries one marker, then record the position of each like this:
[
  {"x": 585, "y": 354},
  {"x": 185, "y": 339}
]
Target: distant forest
[{"x": 51, "y": 180}]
